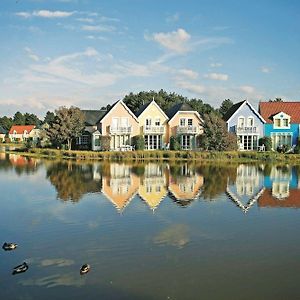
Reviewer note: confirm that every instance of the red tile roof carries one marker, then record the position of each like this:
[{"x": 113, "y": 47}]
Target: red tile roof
[
  {"x": 268, "y": 200},
  {"x": 21, "y": 128},
  {"x": 269, "y": 109}
]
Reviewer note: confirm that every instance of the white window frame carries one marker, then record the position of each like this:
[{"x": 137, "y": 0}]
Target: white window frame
[
  {"x": 182, "y": 122},
  {"x": 250, "y": 119},
  {"x": 239, "y": 123}
]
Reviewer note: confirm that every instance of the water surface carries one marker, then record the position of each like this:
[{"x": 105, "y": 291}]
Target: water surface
[{"x": 149, "y": 231}]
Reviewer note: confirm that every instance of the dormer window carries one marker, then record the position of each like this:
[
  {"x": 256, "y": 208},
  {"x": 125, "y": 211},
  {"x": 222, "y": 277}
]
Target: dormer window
[{"x": 282, "y": 120}]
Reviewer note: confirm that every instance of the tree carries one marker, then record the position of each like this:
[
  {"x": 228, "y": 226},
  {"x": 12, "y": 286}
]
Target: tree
[
  {"x": 225, "y": 106},
  {"x": 6, "y": 122},
  {"x": 49, "y": 118},
  {"x": 174, "y": 143},
  {"x": 215, "y": 136},
  {"x": 19, "y": 119},
  {"x": 278, "y": 99},
  {"x": 67, "y": 125},
  {"x": 32, "y": 119},
  {"x": 138, "y": 142}
]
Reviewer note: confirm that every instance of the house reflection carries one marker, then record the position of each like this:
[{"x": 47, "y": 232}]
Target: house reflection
[
  {"x": 154, "y": 184},
  {"x": 120, "y": 185},
  {"x": 282, "y": 188},
  {"x": 248, "y": 186},
  {"x": 185, "y": 187}
]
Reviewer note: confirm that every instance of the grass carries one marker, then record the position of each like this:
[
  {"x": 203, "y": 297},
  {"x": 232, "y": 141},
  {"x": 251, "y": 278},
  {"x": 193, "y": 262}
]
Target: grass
[{"x": 160, "y": 155}]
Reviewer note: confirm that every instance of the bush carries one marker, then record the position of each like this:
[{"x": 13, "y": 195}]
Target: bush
[
  {"x": 174, "y": 143},
  {"x": 105, "y": 142},
  {"x": 267, "y": 141},
  {"x": 138, "y": 142}
]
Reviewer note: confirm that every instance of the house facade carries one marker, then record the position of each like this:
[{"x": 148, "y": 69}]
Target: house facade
[
  {"x": 185, "y": 125},
  {"x": 3, "y": 133},
  {"x": 120, "y": 124},
  {"x": 153, "y": 124},
  {"x": 243, "y": 120},
  {"x": 21, "y": 133},
  {"x": 282, "y": 122}
]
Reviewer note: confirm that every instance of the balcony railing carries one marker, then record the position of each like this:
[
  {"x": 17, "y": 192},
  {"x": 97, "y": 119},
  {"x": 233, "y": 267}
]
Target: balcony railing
[
  {"x": 252, "y": 129},
  {"x": 120, "y": 130},
  {"x": 187, "y": 129},
  {"x": 154, "y": 129}
]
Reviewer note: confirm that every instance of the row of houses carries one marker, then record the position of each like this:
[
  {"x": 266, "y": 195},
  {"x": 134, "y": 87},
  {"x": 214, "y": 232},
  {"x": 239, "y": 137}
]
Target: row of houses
[
  {"x": 278, "y": 120},
  {"x": 20, "y": 133}
]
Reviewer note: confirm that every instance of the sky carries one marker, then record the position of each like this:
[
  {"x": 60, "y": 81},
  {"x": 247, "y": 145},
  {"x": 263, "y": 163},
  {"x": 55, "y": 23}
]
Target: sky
[{"x": 90, "y": 53}]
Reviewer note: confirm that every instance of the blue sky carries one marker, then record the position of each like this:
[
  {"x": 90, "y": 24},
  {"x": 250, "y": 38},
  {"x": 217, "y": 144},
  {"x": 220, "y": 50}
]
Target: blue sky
[{"x": 90, "y": 53}]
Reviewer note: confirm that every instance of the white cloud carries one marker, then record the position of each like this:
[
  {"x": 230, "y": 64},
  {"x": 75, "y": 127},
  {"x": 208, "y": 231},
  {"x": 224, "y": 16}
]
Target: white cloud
[
  {"x": 217, "y": 76},
  {"x": 265, "y": 70},
  {"x": 93, "y": 37},
  {"x": 175, "y": 41},
  {"x": 31, "y": 54},
  {"x": 188, "y": 73},
  {"x": 45, "y": 14},
  {"x": 85, "y": 20},
  {"x": 216, "y": 65},
  {"x": 191, "y": 87},
  {"x": 98, "y": 28},
  {"x": 247, "y": 89}
]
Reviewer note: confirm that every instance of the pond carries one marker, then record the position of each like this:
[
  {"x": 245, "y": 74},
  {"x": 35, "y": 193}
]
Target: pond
[{"x": 149, "y": 230}]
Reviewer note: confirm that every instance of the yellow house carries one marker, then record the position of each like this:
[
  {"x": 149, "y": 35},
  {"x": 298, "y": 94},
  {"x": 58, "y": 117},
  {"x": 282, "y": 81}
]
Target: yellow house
[
  {"x": 120, "y": 186},
  {"x": 185, "y": 124},
  {"x": 154, "y": 185},
  {"x": 153, "y": 124}
]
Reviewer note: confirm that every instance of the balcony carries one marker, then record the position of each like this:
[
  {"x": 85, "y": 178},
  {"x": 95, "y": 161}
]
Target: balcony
[
  {"x": 246, "y": 130},
  {"x": 120, "y": 130},
  {"x": 187, "y": 129},
  {"x": 154, "y": 129}
]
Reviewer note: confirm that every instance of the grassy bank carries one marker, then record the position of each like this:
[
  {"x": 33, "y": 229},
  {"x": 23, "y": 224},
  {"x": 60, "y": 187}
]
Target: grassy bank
[{"x": 160, "y": 155}]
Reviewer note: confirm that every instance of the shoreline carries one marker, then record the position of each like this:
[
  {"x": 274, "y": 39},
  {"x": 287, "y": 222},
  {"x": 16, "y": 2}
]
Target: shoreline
[{"x": 157, "y": 155}]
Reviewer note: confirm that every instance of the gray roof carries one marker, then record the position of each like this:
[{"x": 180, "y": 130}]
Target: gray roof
[
  {"x": 178, "y": 107},
  {"x": 232, "y": 110},
  {"x": 2, "y": 130},
  {"x": 142, "y": 108},
  {"x": 93, "y": 117}
]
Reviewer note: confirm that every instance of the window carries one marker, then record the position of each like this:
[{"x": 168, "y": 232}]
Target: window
[
  {"x": 148, "y": 122},
  {"x": 115, "y": 122},
  {"x": 285, "y": 122},
  {"x": 157, "y": 122},
  {"x": 277, "y": 122},
  {"x": 182, "y": 122},
  {"x": 241, "y": 122},
  {"x": 97, "y": 141},
  {"x": 124, "y": 122},
  {"x": 190, "y": 122},
  {"x": 250, "y": 122},
  {"x": 84, "y": 139}
]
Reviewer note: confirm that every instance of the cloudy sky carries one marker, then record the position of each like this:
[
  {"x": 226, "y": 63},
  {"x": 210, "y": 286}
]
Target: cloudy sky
[{"x": 90, "y": 53}]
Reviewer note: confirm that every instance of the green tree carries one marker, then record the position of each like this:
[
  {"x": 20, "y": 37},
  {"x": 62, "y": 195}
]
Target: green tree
[
  {"x": 138, "y": 142},
  {"x": 67, "y": 125},
  {"x": 49, "y": 118},
  {"x": 6, "y": 122},
  {"x": 174, "y": 143},
  {"x": 278, "y": 99},
  {"x": 216, "y": 136},
  {"x": 19, "y": 119},
  {"x": 32, "y": 119},
  {"x": 225, "y": 106}
]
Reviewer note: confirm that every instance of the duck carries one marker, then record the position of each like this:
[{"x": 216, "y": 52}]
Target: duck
[
  {"x": 20, "y": 269},
  {"x": 85, "y": 269},
  {"x": 9, "y": 246}
]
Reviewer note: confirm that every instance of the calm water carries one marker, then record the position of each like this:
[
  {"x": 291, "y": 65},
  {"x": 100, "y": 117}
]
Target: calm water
[{"x": 149, "y": 231}]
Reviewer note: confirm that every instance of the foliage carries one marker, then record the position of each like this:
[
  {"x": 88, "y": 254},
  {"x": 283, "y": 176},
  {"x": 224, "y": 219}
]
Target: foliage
[
  {"x": 267, "y": 141},
  {"x": 50, "y": 117},
  {"x": 105, "y": 142},
  {"x": 18, "y": 119},
  {"x": 225, "y": 106},
  {"x": 6, "y": 122},
  {"x": 32, "y": 119},
  {"x": 278, "y": 99},
  {"x": 67, "y": 125},
  {"x": 138, "y": 142},
  {"x": 174, "y": 143},
  {"x": 215, "y": 136}
]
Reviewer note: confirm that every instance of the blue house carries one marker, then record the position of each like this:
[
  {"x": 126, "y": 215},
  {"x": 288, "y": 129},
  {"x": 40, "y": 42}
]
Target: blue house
[
  {"x": 282, "y": 122},
  {"x": 244, "y": 120}
]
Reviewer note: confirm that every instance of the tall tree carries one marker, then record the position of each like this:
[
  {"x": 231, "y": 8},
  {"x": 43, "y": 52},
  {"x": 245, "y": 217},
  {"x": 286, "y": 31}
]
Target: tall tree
[
  {"x": 216, "y": 136},
  {"x": 67, "y": 125},
  {"x": 49, "y": 118},
  {"x": 19, "y": 119},
  {"x": 32, "y": 119},
  {"x": 6, "y": 122},
  {"x": 225, "y": 106}
]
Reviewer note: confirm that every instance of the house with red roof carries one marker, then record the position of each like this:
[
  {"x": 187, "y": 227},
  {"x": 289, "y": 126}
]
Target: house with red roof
[
  {"x": 282, "y": 122},
  {"x": 20, "y": 133}
]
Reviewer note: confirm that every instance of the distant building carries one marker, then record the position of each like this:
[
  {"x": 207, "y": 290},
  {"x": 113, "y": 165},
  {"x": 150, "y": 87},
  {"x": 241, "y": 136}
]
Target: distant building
[
  {"x": 248, "y": 125},
  {"x": 282, "y": 122},
  {"x": 21, "y": 133},
  {"x": 3, "y": 134}
]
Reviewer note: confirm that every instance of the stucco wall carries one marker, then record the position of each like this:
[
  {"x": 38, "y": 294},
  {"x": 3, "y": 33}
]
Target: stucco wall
[{"x": 294, "y": 129}]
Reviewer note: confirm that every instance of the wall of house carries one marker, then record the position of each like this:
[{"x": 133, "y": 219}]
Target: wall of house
[
  {"x": 246, "y": 112},
  {"x": 153, "y": 112},
  {"x": 294, "y": 129},
  {"x": 119, "y": 111},
  {"x": 175, "y": 121},
  {"x": 2, "y": 137}
]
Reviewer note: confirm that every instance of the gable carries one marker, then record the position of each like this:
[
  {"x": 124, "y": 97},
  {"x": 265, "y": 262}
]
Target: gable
[
  {"x": 152, "y": 111},
  {"x": 281, "y": 115}
]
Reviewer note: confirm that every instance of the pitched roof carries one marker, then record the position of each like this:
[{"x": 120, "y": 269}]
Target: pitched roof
[
  {"x": 142, "y": 108},
  {"x": 92, "y": 117},
  {"x": 233, "y": 109},
  {"x": 178, "y": 107},
  {"x": 2, "y": 130},
  {"x": 270, "y": 109},
  {"x": 268, "y": 200},
  {"x": 19, "y": 129}
]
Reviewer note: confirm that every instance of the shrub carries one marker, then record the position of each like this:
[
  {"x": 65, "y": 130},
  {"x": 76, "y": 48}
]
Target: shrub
[
  {"x": 174, "y": 143},
  {"x": 267, "y": 141},
  {"x": 138, "y": 142},
  {"x": 105, "y": 142}
]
